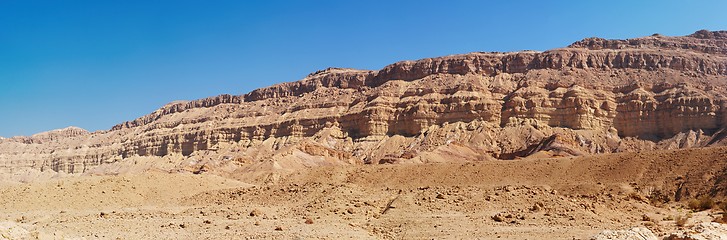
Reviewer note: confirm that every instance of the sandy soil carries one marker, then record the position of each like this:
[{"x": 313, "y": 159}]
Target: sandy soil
[{"x": 558, "y": 198}]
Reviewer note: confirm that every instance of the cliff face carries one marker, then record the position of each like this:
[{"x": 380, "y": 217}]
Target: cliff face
[{"x": 594, "y": 96}]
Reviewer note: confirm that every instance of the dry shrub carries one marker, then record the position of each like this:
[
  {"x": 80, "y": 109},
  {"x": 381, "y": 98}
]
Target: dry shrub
[
  {"x": 693, "y": 204},
  {"x": 681, "y": 220},
  {"x": 658, "y": 197},
  {"x": 638, "y": 197},
  {"x": 701, "y": 204}
]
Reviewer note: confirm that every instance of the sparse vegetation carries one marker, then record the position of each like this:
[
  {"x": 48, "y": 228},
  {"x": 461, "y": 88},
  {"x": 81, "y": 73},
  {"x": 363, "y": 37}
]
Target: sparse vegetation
[
  {"x": 658, "y": 197},
  {"x": 637, "y": 196},
  {"x": 682, "y": 220},
  {"x": 701, "y": 204}
]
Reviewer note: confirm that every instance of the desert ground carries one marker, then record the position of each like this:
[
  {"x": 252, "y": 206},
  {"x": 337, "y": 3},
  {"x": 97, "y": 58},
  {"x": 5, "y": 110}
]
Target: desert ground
[{"x": 530, "y": 198}]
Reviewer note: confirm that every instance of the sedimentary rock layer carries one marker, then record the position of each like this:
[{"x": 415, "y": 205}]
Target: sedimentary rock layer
[{"x": 593, "y": 96}]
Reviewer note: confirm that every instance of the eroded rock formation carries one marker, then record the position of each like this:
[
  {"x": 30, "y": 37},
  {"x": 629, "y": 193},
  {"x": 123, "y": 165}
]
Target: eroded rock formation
[{"x": 594, "y": 96}]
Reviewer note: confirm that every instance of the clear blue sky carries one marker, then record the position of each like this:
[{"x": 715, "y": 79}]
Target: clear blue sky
[{"x": 93, "y": 64}]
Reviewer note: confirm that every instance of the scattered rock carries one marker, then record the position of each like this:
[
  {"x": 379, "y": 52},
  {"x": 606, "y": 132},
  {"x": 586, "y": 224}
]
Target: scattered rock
[
  {"x": 256, "y": 213},
  {"x": 637, "y": 233},
  {"x": 498, "y": 217},
  {"x": 537, "y": 207},
  {"x": 702, "y": 231}
]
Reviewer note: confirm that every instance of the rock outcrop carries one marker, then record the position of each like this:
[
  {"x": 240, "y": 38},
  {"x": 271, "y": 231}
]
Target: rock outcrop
[
  {"x": 702, "y": 231},
  {"x": 637, "y": 233},
  {"x": 594, "y": 96},
  {"x": 53, "y": 135}
]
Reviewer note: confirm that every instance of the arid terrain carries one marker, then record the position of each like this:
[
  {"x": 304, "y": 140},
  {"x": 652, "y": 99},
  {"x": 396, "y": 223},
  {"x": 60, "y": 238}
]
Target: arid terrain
[
  {"x": 544, "y": 198},
  {"x": 567, "y": 143}
]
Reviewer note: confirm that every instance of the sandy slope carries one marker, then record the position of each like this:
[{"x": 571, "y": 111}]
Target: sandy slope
[{"x": 533, "y": 199}]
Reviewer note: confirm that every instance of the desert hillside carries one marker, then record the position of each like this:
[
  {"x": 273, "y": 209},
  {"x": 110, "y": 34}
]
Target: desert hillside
[
  {"x": 594, "y": 96},
  {"x": 551, "y": 198},
  {"x": 566, "y": 143}
]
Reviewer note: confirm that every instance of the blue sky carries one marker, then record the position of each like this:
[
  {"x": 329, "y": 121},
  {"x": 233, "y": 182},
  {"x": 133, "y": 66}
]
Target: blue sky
[{"x": 93, "y": 64}]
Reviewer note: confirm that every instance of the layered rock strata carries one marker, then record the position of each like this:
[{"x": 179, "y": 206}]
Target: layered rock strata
[{"x": 594, "y": 96}]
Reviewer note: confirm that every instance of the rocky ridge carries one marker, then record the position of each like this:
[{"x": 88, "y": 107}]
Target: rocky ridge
[{"x": 594, "y": 96}]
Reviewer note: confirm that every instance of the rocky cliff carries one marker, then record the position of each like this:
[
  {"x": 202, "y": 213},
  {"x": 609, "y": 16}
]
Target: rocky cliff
[{"x": 594, "y": 96}]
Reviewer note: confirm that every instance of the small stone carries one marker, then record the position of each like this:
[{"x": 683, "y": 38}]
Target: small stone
[
  {"x": 498, "y": 218},
  {"x": 535, "y": 208},
  {"x": 255, "y": 213}
]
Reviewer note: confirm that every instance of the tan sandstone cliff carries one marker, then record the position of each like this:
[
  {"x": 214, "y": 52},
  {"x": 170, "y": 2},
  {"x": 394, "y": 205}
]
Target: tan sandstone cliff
[{"x": 594, "y": 96}]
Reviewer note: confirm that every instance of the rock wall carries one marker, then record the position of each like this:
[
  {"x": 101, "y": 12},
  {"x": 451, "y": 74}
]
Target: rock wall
[{"x": 597, "y": 95}]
